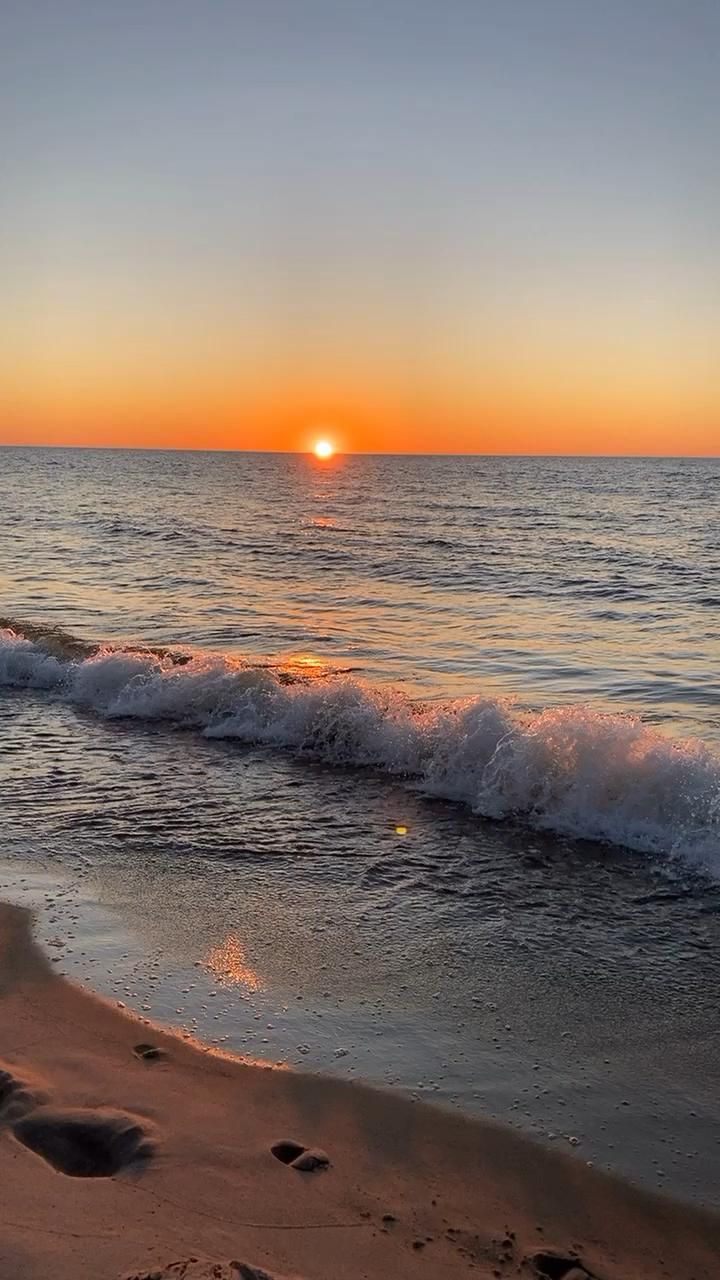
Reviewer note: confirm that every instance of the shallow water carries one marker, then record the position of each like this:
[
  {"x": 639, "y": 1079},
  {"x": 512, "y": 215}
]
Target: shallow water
[
  {"x": 299, "y": 864},
  {"x": 272, "y": 908}
]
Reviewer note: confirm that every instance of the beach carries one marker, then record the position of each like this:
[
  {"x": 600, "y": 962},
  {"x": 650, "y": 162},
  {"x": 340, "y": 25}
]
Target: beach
[
  {"x": 116, "y": 1164},
  {"x": 289, "y": 770},
  {"x": 359, "y": 641}
]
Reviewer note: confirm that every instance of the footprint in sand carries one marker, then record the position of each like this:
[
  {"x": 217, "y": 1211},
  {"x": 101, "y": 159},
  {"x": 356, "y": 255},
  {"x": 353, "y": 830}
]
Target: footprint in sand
[
  {"x": 85, "y": 1144},
  {"x": 148, "y": 1052},
  {"x": 559, "y": 1266},
  {"x": 16, "y": 1097},
  {"x": 196, "y": 1269},
  {"x": 294, "y": 1154}
]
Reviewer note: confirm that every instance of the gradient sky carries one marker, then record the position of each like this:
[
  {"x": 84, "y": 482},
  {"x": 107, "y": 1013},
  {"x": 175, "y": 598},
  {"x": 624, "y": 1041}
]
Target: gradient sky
[{"x": 477, "y": 225}]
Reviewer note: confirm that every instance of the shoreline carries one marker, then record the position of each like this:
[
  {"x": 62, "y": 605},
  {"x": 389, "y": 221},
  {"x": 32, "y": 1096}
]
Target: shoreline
[
  {"x": 186, "y": 1138},
  {"x": 554, "y": 1075}
]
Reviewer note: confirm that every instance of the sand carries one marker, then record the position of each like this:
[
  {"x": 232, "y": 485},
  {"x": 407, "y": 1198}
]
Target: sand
[{"x": 126, "y": 1151}]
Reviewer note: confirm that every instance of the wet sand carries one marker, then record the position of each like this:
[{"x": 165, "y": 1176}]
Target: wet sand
[
  {"x": 120, "y": 1161},
  {"x": 608, "y": 1050}
]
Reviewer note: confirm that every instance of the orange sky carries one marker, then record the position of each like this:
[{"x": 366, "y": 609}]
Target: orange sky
[
  {"x": 354, "y": 424},
  {"x": 443, "y": 404}
]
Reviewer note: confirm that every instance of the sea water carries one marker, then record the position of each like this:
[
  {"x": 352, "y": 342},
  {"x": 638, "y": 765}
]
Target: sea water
[{"x": 402, "y": 767}]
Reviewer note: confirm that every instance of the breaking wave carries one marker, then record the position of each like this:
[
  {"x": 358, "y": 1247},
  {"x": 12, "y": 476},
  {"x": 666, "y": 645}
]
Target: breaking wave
[{"x": 572, "y": 769}]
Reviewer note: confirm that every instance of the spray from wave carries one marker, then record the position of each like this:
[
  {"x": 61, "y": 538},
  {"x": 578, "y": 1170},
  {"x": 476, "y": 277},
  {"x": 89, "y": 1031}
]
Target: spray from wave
[{"x": 572, "y": 769}]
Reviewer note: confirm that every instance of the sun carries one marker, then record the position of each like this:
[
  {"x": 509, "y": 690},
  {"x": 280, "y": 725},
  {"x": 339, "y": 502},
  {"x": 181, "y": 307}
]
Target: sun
[{"x": 323, "y": 449}]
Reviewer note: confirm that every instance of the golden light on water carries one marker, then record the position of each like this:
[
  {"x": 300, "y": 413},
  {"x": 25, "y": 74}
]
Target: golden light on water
[
  {"x": 300, "y": 666},
  {"x": 401, "y": 830},
  {"x": 228, "y": 963},
  {"x": 324, "y": 449},
  {"x": 322, "y": 522}
]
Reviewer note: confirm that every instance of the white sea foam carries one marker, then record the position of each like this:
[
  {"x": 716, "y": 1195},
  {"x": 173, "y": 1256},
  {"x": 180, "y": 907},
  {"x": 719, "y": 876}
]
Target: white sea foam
[{"x": 569, "y": 769}]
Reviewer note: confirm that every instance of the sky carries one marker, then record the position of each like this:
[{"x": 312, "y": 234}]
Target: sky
[{"x": 484, "y": 226}]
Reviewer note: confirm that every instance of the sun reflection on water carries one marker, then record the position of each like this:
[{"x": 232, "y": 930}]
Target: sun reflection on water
[
  {"x": 322, "y": 522},
  {"x": 302, "y": 666}
]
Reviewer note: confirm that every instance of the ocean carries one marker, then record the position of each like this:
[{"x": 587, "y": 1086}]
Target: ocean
[{"x": 400, "y": 767}]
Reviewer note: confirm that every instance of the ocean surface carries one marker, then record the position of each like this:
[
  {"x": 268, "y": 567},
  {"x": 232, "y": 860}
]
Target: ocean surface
[{"x": 404, "y": 767}]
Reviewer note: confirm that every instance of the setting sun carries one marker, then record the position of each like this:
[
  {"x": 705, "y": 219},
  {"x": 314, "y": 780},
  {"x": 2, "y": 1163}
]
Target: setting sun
[{"x": 323, "y": 449}]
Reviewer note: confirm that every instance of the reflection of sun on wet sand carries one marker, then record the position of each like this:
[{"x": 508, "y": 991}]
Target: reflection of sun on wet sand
[
  {"x": 143, "y": 1156},
  {"x": 228, "y": 963}
]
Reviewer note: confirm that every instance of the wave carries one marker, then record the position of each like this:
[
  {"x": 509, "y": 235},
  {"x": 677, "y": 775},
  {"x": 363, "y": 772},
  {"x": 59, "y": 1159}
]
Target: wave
[{"x": 571, "y": 769}]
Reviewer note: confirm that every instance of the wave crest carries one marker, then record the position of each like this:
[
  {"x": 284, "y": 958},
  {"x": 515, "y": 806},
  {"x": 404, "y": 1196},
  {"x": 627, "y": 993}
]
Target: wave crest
[{"x": 572, "y": 769}]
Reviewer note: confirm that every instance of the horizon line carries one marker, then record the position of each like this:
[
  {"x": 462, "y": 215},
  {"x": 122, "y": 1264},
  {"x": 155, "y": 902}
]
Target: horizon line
[{"x": 350, "y": 453}]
